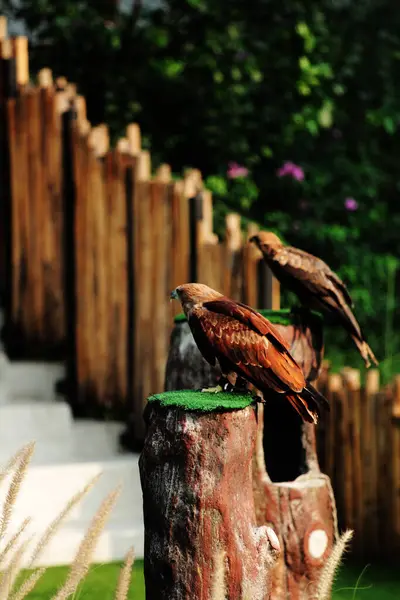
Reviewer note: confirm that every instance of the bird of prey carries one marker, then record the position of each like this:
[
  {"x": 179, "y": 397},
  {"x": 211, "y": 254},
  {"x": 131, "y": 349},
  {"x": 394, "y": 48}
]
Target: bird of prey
[
  {"x": 316, "y": 286},
  {"x": 247, "y": 346}
]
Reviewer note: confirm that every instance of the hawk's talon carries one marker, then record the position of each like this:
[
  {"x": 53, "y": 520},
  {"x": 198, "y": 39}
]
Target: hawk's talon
[
  {"x": 213, "y": 390},
  {"x": 228, "y": 387}
]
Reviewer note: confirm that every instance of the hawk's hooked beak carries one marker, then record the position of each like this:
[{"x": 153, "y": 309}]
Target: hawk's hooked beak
[{"x": 174, "y": 295}]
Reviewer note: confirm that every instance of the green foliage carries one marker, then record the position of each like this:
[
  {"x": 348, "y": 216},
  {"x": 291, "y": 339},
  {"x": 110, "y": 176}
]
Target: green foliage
[{"x": 259, "y": 83}]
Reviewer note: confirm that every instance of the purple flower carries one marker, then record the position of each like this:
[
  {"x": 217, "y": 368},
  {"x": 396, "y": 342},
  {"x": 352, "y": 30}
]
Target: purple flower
[
  {"x": 294, "y": 171},
  {"x": 351, "y": 204},
  {"x": 236, "y": 170}
]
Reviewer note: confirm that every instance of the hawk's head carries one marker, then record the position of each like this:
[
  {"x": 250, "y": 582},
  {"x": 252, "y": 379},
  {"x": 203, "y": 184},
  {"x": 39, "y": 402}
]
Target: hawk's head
[
  {"x": 267, "y": 242},
  {"x": 194, "y": 293}
]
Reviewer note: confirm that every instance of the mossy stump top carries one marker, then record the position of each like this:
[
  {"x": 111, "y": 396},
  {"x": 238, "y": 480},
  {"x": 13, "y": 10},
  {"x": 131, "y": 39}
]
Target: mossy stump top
[{"x": 195, "y": 400}]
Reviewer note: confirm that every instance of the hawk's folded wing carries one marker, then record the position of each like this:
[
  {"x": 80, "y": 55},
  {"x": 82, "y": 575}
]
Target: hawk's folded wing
[{"x": 248, "y": 341}]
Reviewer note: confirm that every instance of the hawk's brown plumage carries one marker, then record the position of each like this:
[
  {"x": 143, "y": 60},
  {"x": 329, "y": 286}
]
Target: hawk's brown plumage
[
  {"x": 316, "y": 286},
  {"x": 247, "y": 344}
]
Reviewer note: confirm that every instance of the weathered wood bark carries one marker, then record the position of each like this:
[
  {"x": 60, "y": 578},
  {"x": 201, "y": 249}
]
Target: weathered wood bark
[
  {"x": 187, "y": 369},
  {"x": 290, "y": 492},
  {"x": 301, "y": 511},
  {"x": 199, "y": 514}
]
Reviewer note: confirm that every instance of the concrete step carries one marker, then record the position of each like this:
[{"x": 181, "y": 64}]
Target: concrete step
[
  {"x": 50, "y": 424},
  {"x": 113, "y": 545},
  {"x": 47, "y": 489},
  {"x": 29, "y": 380},
  {"x": 68, "y": 454},
  {"x": 96, "y": 440}
]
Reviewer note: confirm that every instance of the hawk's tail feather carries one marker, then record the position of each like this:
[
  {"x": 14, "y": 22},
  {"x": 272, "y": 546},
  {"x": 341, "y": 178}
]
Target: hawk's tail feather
[
  {"x": 302, "y": 409},
  {"x": 365, "y": 351},
  {"x": 309, "y": 403}
]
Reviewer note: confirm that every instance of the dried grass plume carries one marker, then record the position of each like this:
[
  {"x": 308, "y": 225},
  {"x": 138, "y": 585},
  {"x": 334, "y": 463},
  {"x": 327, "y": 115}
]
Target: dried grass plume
[
  {"x": 324, "y": 587},
  {"x": 125, "y": 574},
  {"x": 14, "y": 545}
]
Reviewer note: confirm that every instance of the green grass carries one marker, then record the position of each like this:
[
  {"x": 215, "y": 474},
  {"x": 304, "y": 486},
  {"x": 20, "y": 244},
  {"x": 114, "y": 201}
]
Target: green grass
[
  {"x": 203, "y": 401},
  {"x": 100, "y": 584},
  {"x": 376, "y": 583},
  {"x": 369, "y": 582}
]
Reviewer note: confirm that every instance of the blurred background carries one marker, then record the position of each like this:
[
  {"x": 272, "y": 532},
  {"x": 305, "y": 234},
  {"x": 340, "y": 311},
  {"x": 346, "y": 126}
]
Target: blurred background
[
  {"x": 257, "y": 84},
  {"x": 140, "y": 143}
]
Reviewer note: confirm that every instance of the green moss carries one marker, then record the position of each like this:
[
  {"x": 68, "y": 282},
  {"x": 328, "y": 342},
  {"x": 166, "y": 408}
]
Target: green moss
[
  {"x": 180, "y": 318},
  {"x": 203, "y": 401},
  {"x": 278, "y": 317}
]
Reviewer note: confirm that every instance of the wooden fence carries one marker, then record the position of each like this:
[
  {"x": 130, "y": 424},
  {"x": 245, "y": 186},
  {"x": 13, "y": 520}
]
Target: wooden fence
[
  {"x": 93, "y": 243},
  {"x": 359, "y": 448}
]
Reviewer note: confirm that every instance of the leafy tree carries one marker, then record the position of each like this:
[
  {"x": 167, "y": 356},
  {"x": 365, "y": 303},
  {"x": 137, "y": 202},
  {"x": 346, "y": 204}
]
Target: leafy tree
[{"x": 261, "y": 84}]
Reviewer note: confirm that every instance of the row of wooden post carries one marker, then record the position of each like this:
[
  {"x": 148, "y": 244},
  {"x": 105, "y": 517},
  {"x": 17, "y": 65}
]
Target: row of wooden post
[
  {"x": 96, "y": 242},
  {"x": 359, "y": 448}
]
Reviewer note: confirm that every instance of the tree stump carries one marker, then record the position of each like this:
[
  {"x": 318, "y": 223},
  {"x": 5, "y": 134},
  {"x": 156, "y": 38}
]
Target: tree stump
[
  {"x": 301, "y": 510},
  {"x": 199, "y": 515},
  {"x": 290, "y": 493}
]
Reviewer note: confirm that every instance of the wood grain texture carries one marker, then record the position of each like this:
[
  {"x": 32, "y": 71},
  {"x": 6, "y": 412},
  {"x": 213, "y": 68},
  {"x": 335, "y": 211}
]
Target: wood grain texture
[{"x": 198, "y": 510}]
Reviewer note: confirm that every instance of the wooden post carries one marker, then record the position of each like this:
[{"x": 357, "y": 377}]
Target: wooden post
[
  {"x": 396, "y": 463},
  {"x": 54, "y": 250},
  {"x": 3, "y": 27},
  {"x": 8, "y": 90},
  {"x": 20, "y": 49},
  {"x": 196, "y": 230},
  {"x": 352, "y": 383},
  {"x": 269, "y": 295},
  {"x": 384, "y": 450},
  {"x": 144, "y": 253},
  {"x": 201, "y": 535},
  {"x": 251, "y": 256},
  {"x": 370, "y": 458},
  {"x": 233, "y": 275},
  {"x": 180, "y": 239}
]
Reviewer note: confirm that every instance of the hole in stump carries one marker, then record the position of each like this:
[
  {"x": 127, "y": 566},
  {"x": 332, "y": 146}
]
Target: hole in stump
[{"x": 285, "y": 456}]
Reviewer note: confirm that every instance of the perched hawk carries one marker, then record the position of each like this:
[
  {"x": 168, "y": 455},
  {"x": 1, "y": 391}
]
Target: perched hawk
[
  {"x": 316, "y": 286},
  {"x": 247, "y": 345}
]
